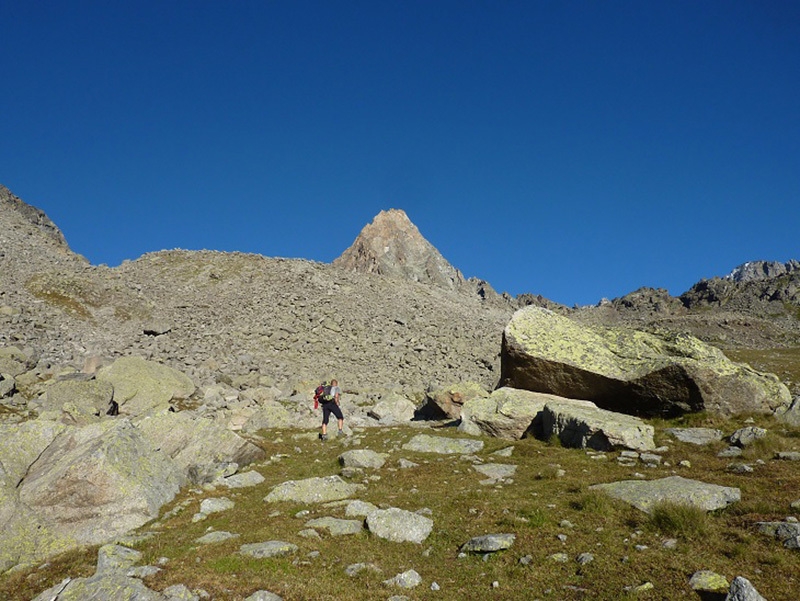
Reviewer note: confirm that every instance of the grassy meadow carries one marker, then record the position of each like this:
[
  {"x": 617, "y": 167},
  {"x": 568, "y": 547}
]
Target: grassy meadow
[{"x": 549, "y": 496}]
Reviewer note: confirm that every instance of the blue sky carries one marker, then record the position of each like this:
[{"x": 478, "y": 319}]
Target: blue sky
[{"x": 577, "y": 150}]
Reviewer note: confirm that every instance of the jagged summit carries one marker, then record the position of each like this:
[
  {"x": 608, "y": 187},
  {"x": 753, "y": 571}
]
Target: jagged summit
[
  {"x": 391, "y": 245},
  {"x": 762, "y": 270}
]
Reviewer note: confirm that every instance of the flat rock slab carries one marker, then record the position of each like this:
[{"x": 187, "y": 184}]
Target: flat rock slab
[
  {"x": 337, "y": 526},
  {"x": 645, "y": 494},
  {"x": 361, "y": 509},
  {"x": 314, "y": 490},
  {"x": 101, "y": 587},
  {"x": 507, "y": 413},
  {"x": 243, "y": 480},
  {"x": 398, "y": 525},
  {"x": 698, "y": 436},
  {"x": 496, "y": 471},
  {"x": 488, "y": 543},
  {"x": 362, "y": 458},
  {"x": 444, "y": 446},
  {"x": 272, "y": 548},
  {"x": 216, "y": 537},
  {"x": 208, "y": 506}
]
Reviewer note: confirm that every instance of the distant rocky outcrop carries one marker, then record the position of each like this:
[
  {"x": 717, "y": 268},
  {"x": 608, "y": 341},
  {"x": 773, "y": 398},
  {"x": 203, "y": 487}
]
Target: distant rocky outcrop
[
  {"x": 762, "y": 270},
  {"x": 392, "y": 246},
  {"x": 631, "y": 371}
]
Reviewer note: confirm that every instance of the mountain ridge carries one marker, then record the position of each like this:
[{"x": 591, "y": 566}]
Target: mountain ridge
[{"x": 297, "y": 320}]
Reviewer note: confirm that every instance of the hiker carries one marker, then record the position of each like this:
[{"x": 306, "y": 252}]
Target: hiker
[{"x": 330, "y": 404}]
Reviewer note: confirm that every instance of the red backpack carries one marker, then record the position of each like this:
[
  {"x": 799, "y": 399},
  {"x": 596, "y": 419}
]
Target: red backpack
[{"x": 317, "y": 394}]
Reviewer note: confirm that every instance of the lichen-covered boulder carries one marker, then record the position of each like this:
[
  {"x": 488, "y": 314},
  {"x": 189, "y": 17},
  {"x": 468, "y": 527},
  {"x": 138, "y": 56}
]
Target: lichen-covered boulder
[
  {"x": 86, "y": 486},
  {"x": 194, "y": 443},
  {"x": 141, "y": 385},
  {"x": 82, "y": 400},
  {"x": 581, "y": 424},
  {"x": 7, "y": 385},
  {"x": 362, "y": 458},
  {"x": 631, "y": 371},
  {"x": 507, "y": 413},
  {"x": 271, "y": 414},
  {"x": 393, "y": 408},
  {"x": 488, "y": 543},
  {"x": 398, "y": 525}
]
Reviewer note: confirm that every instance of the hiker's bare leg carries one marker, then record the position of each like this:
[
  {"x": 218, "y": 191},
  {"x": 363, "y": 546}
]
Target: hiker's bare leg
[
  {"x": 324, "y": 429},
  {"x": 341, "y": 423}
]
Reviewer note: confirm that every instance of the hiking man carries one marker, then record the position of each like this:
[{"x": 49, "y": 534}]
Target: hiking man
[{"x": 330, "y": 404}]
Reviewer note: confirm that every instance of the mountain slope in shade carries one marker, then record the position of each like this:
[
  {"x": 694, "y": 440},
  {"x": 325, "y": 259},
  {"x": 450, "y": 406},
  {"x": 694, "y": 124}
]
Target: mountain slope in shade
[{"x": 392, "y": 246}]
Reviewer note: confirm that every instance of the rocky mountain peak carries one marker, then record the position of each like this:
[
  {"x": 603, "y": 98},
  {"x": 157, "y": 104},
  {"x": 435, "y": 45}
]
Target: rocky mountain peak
[
  {"x": 761, "y": 270},
  {"x": 392, "y": 246}
]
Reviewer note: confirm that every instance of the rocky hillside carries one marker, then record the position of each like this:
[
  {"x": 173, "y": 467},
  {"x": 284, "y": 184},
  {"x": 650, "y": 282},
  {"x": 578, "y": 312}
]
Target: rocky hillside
[
  {"x": 390, "y": 312},
  {"x": 216, "y": 315}
]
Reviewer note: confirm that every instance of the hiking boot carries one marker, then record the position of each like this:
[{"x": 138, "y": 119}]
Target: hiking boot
[
  {"x": 323, "y": 437},
  {"x": 341, "y": 433}
]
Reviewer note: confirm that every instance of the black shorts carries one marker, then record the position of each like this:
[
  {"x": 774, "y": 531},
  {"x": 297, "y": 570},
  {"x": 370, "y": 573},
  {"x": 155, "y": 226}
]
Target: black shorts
[{"x": 328, "y": 408}]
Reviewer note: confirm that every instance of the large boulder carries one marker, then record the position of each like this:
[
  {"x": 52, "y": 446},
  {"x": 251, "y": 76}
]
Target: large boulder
[
  {"x": 507, "y": 413},
  {"x": 270, "y": 415},
  {"x": 197, "y": 445},
  {"x": 398, "y": 525},
  {"x": 80, "y": 400},
  {"x": 631, "y": 371},
  {"x": 393, "y": 408},
  {"x": 141, "y": 385},
  {"x": 583, "y": 425},
  {"x": 22, "y": 536},
  {"x": 86, "y": 486}
]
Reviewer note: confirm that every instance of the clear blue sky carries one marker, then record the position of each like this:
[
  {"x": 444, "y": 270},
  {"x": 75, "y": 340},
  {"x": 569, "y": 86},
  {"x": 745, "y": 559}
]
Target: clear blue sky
[{"x": 572, "y": 149}]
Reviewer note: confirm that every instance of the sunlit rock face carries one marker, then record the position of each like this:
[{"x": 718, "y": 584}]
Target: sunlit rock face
[
  {"x": 391, "y": 245},
  {"x": 630, "y": 371}
]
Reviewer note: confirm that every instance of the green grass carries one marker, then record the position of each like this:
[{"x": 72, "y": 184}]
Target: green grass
[
  {"x": 541, "y": 504},
  {"x": 675, "y": 519},
  {"x": 783, "y": 362}
]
